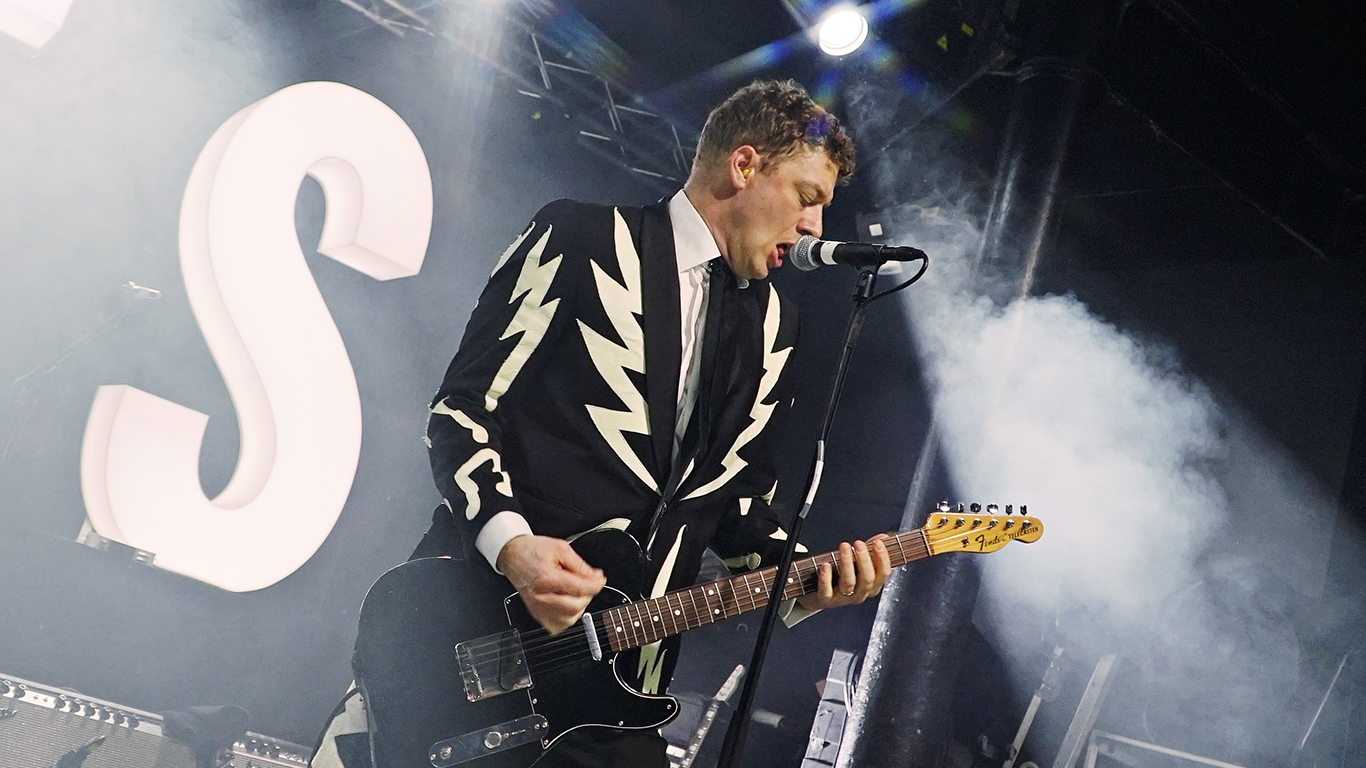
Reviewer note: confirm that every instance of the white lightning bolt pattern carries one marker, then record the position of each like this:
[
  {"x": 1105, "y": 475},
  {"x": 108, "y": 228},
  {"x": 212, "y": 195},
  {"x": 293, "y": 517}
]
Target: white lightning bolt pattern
[
  {"x": 480, "y": 457},
  {"x": 651, "y": 659},
  {"x": 622, "y": 303},
  {"x": 774, "y": 360},
  {"x": 533, "y": 316}
]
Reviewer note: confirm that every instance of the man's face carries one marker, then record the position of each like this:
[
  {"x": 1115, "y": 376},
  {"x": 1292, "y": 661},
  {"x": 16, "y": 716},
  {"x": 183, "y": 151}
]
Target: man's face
[{"x": 776, "y": 206}]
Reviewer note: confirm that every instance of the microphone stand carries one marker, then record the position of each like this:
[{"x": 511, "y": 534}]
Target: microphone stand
[{"x": 738, "y": 730}]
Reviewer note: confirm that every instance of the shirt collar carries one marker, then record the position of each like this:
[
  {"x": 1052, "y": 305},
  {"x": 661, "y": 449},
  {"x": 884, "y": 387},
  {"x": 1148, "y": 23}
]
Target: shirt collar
[{"x": 693, "y": 241}]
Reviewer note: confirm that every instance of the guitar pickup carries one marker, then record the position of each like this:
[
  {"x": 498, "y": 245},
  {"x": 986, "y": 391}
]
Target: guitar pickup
[{"x": 494, "y": 665}]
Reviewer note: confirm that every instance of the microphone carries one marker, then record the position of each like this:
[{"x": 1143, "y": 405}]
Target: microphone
[{"x": 809, "y": 253}]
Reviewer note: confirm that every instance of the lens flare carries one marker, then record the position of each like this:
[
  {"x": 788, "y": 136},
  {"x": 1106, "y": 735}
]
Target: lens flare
[{"x": 842, "y": 31}]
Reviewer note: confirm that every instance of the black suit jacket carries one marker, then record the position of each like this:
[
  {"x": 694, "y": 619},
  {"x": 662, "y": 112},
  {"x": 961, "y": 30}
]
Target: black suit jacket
[{"x": 560, "y": 403}]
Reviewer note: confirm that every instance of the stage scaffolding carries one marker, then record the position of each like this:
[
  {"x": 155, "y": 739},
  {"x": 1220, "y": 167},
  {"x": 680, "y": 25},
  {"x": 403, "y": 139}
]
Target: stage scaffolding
[{"x": 585, "y": 80}]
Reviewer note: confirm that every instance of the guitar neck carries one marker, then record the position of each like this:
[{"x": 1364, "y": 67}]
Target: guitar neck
[{"x": 647, "y": 621}]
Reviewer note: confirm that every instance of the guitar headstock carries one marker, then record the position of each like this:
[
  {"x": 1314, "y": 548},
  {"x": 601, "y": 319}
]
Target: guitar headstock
[{"x": 976, "y": 530}]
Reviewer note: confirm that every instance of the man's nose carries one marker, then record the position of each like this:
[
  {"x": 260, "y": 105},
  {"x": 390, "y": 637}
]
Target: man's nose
[{"x": 810, "y": 223}]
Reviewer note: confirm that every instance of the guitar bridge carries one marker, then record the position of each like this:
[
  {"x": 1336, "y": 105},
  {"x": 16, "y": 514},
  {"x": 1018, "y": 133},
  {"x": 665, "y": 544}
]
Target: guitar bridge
[
  {"x": 514, "y": 733},
  {"x": 493, "y": 665}
]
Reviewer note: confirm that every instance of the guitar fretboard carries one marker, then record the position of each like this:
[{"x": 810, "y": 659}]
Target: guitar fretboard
[{"x": 647, "y": 621}]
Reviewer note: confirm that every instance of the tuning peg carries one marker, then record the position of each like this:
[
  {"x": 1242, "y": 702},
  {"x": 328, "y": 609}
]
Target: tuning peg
[
  {"x": 944, "y": 506},
  {"x": 992, "y": 509},
  {"x": 1024, "y": 510},
  {"x": 975, "y": 508},
  {"x": 1010, "y": 508},
  {"x": 960, "y": 507}
]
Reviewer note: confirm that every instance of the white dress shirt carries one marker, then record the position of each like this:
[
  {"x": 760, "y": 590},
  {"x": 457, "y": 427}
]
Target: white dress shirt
[{"x": 694, "y": 248}]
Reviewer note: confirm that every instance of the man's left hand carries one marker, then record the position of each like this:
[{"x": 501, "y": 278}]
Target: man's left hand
[{"x": 863, "y": 569}]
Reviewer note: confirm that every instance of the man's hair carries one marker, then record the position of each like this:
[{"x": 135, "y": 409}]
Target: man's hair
[{"x": 778, "y": 119}]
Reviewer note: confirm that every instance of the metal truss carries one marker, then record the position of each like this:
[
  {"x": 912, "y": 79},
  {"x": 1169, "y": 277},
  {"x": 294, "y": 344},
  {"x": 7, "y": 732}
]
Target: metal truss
[{"x": 613, "y": 121}]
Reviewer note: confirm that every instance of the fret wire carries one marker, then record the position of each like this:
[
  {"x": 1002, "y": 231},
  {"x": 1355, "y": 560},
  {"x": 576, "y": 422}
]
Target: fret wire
[
  {"x": 626, "y": 625},
  {"x": 636, "y": 623},
  {"x": 687, "y": 621},
  {"x": 675, "y": 614},
  {"x": 656, "y": 623},
  {"x": 644, "y": 608},
  {"x": 609, "y": 617},
  {"x": 623, "y": 621},
  {"x": 611, "y": 626},
  {"x": 641, "y": 625}
]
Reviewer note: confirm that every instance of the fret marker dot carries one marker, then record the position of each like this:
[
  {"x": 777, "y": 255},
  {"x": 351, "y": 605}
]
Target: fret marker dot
[
  {"x": 756, "y": 590},
  {"x": 636, "y": 624},
  {"x": 718, "y": 610},
  {"x": 677, "y": 612},
  {"x": 618, "y": 629},
  {"x": 656, "y": 618}
]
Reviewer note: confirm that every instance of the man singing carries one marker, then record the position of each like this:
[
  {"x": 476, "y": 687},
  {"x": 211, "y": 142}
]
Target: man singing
[{"x": 627, "y": 368}]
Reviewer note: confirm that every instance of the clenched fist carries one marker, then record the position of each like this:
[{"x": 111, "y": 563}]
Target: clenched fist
[{"x": 554, "y": 582}]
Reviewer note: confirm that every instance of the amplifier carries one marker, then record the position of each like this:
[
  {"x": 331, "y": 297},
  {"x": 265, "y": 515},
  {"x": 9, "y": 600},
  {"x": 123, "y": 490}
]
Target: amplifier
[{"x": 38, "y": 725}]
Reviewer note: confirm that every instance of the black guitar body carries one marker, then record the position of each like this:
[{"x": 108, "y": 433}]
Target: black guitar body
[{"x": 411, "y": 677}]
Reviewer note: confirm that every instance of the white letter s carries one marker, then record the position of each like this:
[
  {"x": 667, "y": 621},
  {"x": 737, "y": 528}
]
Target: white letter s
[{"x": 271, "y": 335}]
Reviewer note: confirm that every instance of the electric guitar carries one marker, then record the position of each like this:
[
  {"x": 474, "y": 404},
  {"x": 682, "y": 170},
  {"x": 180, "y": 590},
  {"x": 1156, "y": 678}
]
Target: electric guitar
[{"x": 449, "y": 677}]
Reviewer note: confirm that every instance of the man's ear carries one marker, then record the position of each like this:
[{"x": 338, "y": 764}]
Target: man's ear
[{"x": 743, "y": 164}]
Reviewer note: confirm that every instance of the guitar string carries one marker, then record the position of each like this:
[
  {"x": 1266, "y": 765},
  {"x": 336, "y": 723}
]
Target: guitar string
[
  {"x": 579, "y": 651},
  {"x": 535, "y": 643},
  {"x": 536, "y": 640}
]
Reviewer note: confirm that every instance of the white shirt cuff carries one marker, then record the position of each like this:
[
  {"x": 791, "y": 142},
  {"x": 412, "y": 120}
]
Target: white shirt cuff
[
  {"x": 793, "y": 614},
  {"x": 498, "y": 531}
]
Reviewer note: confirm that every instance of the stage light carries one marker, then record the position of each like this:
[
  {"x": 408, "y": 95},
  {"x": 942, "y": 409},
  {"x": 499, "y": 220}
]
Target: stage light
[{"x": 842, "y": 31}]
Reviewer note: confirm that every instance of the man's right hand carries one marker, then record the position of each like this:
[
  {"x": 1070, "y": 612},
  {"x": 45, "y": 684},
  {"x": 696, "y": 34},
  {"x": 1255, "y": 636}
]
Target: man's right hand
[{"x": 554, "y": 582}]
